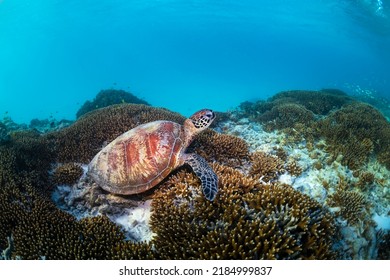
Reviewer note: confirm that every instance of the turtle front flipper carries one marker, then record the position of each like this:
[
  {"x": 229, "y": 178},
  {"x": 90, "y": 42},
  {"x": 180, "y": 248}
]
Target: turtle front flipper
[{"x": 207, "y": 176}]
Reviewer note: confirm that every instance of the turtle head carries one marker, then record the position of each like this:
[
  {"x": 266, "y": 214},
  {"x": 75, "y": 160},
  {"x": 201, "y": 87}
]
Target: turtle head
[
  {"x": 197, "y": 123},
  {"x": 202, "y": 119}
]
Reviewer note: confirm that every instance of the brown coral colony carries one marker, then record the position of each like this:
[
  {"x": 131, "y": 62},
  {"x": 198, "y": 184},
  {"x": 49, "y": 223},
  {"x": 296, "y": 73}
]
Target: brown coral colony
[{"x": 253, "y": 216}]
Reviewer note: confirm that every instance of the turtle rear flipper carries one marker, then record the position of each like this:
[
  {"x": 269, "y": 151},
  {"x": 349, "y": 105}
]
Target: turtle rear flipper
[{"x": 207, "y": 176}]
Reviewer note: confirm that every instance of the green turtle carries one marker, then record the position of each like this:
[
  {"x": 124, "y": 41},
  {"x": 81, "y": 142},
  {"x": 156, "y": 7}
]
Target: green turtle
[{"x": 142, "y": 157}]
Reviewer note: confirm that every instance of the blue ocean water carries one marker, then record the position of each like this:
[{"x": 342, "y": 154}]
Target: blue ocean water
[{"x": 186, "y": 54}]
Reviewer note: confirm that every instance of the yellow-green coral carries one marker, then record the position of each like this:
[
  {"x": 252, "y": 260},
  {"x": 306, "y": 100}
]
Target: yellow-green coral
[{"x": 247, "y": 220}]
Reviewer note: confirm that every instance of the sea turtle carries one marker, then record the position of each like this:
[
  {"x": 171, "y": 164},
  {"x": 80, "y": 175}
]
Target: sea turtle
[{"x": 142, "y": 157}]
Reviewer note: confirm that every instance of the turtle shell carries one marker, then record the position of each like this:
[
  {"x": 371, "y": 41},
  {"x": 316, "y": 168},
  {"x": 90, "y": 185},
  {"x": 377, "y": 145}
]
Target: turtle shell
[{"x": 138, "y": 159}]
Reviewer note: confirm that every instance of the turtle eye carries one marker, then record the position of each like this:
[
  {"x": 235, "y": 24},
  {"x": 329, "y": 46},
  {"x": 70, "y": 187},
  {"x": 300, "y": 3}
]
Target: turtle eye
[{"x": 210, "y": 114}]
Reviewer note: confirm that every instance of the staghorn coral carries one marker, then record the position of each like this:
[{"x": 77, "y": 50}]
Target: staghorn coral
[
  {"x": 247, "y": 220},
  {"x": 41, "y": 231},
  {"x": 299, "y": 103},
  {"x": 49, "y": 233},
  {"x": 44, "y": 232},
  {"x": 352, "y": 205},
  {"x": 356, "y": 131},
  {"x": 353, "y": 129},
  {"x": 280, "y": 153},
  {"x": 265, "y": 166},
  {"x": 293, "y": 168},
  {"x": 366, "y": 179},
  {"x": 319, "y": 102},
  {"x": 286, "y": 115},
  {"x": 67, "y": 174},
  {"x": 26, "y": 158},
  {"x": 28, "y": 216},
  {"x": 102, "y": 239},
  {"x": 226, "y": 149},
  {"x": 109, "y": 97}
]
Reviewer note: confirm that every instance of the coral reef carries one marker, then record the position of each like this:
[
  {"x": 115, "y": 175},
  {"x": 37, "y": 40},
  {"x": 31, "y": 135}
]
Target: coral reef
[
  {"x": 353, "y": 205},
  {"x": 384, "y": 246},
  {"x": 293, "y": 168},
  {"x": 67, "y": 174},
  {"x": 356, "y": 131},
  {"x": 3, "y": 133},
  {"x": 29, "y": 158},
  {"x": 319, "y": 102},
  {"x": 272, "y": 186},
  {"x": 366, "y": 179},
  {"x": 39, "y": 230},
  {"x": 109, "y": 97},
  {"x": 286, "y": 115},
  {"x": 28, "y": 217},
  {"x": 47, "y": 125},
  {"x": 265, "y": 166},
  {"x": 247, "y": 220},
  {"x": 350, "y": 128},
  {"x": 46, "y": 232},
  {"x": 307, "y": 103},
  {"x": 226, "y": 149}
]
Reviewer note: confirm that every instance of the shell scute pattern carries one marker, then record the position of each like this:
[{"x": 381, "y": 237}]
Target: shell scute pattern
[
  {"x": 138, "y": 159},
  {"x": 142, "y": 157}
]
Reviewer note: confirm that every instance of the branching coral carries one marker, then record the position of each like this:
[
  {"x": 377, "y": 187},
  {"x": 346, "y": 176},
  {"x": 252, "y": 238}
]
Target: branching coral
[
  {"x": 356, "y": 131},
  {"x": 286, "y": 115},
  {"x": 38, "y": 228},
  {"x": 299, "y": 103},
  {"x": 102, "y": 239},
  {"x": 352, "y": 205},
  {"x": 41, "y": 231},
  {"x": 293, "y": 168},
  {"x": 247, "y": 220},
  {"x": 109, "y": 97},
  {"x": 319, "y": 102},
  {"x": 68, "y": 174},
  {"x": 265, "y": 166},
  {"x": 226, "y": 149},
  {"x": 366, "y": 179},
  {"x": 352, "y": 129}
]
